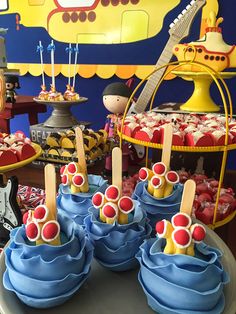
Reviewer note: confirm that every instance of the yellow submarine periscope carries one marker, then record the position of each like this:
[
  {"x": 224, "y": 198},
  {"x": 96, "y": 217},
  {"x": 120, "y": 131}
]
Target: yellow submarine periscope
[
  {"x": 210, "y": 50},
  {"x": 93, "y": 21}
]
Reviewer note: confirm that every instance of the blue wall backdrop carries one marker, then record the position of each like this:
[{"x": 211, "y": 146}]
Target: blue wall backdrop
[{"x": 21, "y": 48}]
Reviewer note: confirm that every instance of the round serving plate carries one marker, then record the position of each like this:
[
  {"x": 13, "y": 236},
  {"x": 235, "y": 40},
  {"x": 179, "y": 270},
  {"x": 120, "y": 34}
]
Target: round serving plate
[
  {"x": 109, "y": 292},
  {"x": 38, "y": 152}
]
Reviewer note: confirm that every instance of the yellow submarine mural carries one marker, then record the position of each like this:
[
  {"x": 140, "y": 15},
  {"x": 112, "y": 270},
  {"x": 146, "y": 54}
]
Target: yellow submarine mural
[{"x": 92, "y": 21}]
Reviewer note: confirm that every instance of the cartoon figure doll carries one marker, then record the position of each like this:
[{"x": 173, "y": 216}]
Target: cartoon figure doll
[
  {"x": 115, "y": 99},
  {"x": 12, "y": 82}
]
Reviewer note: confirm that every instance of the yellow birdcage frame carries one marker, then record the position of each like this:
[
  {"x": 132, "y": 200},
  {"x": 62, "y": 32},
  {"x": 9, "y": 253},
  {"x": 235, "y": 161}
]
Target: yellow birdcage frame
[{"x": 228, "y": 110}]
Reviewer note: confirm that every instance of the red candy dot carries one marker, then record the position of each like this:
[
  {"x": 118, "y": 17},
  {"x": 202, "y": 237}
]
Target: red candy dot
[
  {"x": 112, "y": 193},
  {"x": 32, "y": 231},
  {"x": 97, "y": 199},
  {"x": 64, "y": 179},
  {"x": 143, "y": 174},
  {"x": 126, "y": 204},
  {"x": 181, "y": 220},
  {"x": 159, "y": 168},
  {"x": 78, "y": 180},
  {"x": 50, "y": 230},
  {"x": 25, "y": 217},
  {"x": 172, "y": 176},
  {"x": 156, "y": 181},
  {"x": 109, "y": 210},
  {"x": 62, "y": 169},
  {"x": 181, "y": 236},
  {"x": 40, "y": 212},
  {"x": 72, "y": 168},
  {"x": 160, "y": 227},
  {"x": 198, "y": 232}
]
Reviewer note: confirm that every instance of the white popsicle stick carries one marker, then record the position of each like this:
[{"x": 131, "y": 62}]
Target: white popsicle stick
[
  {"x": 167, "y": 142},
  {"x": 188, "y": 197},
  {"x": 50, "y": 189},
  {"x": 80, "y": 149},
  {"x": 117, "y": 167}
]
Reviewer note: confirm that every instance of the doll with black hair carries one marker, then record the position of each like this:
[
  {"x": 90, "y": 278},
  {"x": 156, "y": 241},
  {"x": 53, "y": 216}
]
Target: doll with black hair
[
  {"x": 12, "y": 82},
  {"x": 115, "y": 99}
]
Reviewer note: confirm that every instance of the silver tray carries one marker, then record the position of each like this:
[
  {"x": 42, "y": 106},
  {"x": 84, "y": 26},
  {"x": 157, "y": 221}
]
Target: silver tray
[{"x": 107, "y": 292}]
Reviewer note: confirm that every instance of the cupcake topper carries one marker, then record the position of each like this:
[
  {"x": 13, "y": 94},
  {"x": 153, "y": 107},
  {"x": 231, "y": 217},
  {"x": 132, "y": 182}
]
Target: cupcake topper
[
  {"x": 180, "y": 233},
  {"x": 160, "y": 179},
  {"x": 51, "y": 49},
  {"x": 112, "y": 205},
  {"x": 40, "y": 50},
  {"x": 41, "y": 223}
]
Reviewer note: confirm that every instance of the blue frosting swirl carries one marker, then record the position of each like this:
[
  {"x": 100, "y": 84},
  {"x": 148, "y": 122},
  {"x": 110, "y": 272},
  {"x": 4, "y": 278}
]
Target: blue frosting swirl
[
  {"x": 182, "y": 284},
  {"x": 115, "y": 245},
  {"x": 76, "y": 206},
  {"x": 158, "y": 208},
  {"x": 43, "y": 276}
]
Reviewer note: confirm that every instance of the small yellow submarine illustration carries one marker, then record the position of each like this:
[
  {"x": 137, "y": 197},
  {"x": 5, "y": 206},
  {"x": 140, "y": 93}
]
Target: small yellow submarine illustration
[
  {"x": 210, "y": 50},
  {"x": 93, "y": 21}
]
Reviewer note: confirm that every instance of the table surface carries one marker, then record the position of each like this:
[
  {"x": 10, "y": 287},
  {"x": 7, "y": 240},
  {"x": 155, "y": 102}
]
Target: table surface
[{"x": 107, "y": 292}]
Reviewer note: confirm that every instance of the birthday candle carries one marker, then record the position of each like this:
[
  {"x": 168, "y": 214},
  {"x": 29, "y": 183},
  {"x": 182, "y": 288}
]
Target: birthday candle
[
  {"x": 76, "y": 49},
  {"x": 51, "y": 49},
  {"x": 69, "y": 50},
  {"x": 40, "y": 49}
]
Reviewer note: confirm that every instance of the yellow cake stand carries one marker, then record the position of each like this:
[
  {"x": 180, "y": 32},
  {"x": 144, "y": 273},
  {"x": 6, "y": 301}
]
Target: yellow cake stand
[
  {"x": 38, "y": 152},
  {"x": 201, "y": 100}
]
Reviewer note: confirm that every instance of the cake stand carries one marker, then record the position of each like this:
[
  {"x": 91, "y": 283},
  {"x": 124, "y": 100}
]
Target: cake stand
[
  {"x": 125, "y": 294},
  {"x": 61, "y": 116},
  {"x": 201, "y": 100}
]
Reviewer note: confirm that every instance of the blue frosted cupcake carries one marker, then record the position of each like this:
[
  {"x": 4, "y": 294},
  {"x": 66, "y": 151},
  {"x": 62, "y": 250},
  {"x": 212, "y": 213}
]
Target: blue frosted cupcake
[
  {"x": 44, "y": 276},
  {"x": 180, "y": 274},
  {"x": 76, "y": 205},
  {"x": 116, "y": 240}
]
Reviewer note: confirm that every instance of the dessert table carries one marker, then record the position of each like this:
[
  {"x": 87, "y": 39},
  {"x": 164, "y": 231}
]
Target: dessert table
[
  {"x": 107, "y": 292},
  {"x": 23, "y": 105}
]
